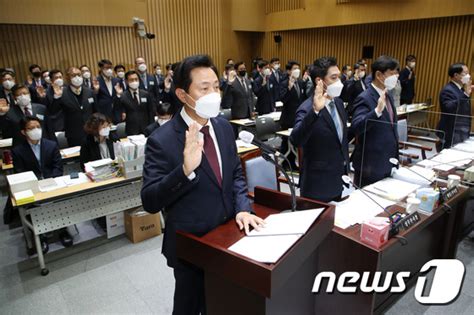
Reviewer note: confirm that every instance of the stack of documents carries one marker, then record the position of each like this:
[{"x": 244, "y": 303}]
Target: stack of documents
[
  {"x": 448, "y": 159},
  {"x": 24, "y": 197},
  {"x": 358, "y": 208},
  {"x": 242, "y": 144},
  {"x": 101, "y": 170},
  {"x": 415, "y": 175},
  {"x": 281, "y": 231},
  {"x": 70, "y": 151},
  {"x": 392, "y": 189}
]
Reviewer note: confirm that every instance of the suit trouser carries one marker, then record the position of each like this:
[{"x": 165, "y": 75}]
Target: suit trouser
[{"x": 189, "y": 296}]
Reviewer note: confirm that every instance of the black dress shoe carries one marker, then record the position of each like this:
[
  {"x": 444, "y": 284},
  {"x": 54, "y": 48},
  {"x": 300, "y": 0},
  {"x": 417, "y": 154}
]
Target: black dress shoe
[{"x": 65, "y": 238}]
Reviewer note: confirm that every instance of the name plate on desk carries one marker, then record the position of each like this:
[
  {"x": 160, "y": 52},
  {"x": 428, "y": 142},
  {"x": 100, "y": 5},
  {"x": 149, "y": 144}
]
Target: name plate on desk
[{"x": 449, "y": 193}]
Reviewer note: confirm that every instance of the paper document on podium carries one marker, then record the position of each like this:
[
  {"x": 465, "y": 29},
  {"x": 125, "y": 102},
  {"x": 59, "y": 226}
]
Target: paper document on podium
[
  {"x": 265, "y": 249},
  {"x": 393, "y": 189},
  {"x": 297, "y": 222}
]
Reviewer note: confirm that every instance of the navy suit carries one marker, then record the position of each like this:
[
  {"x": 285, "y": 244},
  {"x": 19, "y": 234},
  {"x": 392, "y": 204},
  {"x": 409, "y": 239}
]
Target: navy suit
[
  {"x": 376, "y": 138},
  {"x": 265, "y": 101},
  {"x": 325, "y": 157},
  {"x": 408, "y": 86},
  {"x": 150, "y": 85},
  {"x": 454, "y": 101},
  {"x": 24, "y": 159},
  {"x": 275, "y": 84},
  {"x": 105, "y": 99},
  {"x": 291, "y": 99}
]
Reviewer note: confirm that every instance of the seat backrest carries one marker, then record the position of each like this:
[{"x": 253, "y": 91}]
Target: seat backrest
[
  {"x": 62, "y": 141},
  {"x": 226, "y": 113},
  {"x": 266, "y": 128},
  {"x": 121, "y": 130},
  {"x": 402, "y": 130},
  {"x": 258, "y": 171}
]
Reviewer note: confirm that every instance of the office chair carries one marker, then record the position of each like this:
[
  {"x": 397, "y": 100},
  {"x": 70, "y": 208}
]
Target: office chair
[
  {"x": 121, "y": 130},
  {"x": 259, "y": 172}
]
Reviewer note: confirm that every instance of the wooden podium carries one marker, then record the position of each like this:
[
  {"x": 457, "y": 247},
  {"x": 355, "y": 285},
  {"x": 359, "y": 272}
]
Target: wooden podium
[{"x": 238, "y": 285}]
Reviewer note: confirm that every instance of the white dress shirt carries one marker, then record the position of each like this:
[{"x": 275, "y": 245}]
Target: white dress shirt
[{"x": 188, "y": 120}]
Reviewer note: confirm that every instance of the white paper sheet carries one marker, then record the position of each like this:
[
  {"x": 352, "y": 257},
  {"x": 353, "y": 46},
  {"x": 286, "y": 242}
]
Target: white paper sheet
[
  {"x": 242, "y": 144},
  {"x": 265, "y": 249},
  {"x": 392, "y": 189},
  {"x": 70, "y": 151},
  {"x": 6, "y": 142}
]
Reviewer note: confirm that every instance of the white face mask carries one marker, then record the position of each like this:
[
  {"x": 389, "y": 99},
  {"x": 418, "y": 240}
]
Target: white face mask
[
  {"x": 334, "y": 90},
  {"x": 104, "y": 132},
  {"x": 121, "y": 74},
  {"x": 59, "y": 82},
  {"x": 411, "y": 65},
  {"x": 142, "y": 67},
  {"x": 47, "y": 80},
  {"x": 86, "y": 75},
  {"x": 208, "y": 105},
  {"x": 465, "y": 79},
  {"x": 349, "y": 73},
  {"x": 296, "y": 73},
  {"x": 391, "y": 81},
  {"x": 134, "y": 85},
  {"x": 267, "y": 72},
  {"x": 23, "y": 100},
  {"x": 108, "y": 72},
  {"x": 34, "y": 134},
  {"x": 162, "y": 121},
  {"x": 77, "y": 81},
  {"x": 8, "y": 84},
  {"x": 361, "y": 74},
  {"x": 158, "y": 71},
  {"x": 276, "y": 67}
]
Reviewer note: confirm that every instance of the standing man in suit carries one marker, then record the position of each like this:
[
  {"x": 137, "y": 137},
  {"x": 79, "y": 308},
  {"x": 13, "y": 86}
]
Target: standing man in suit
[
  {"x": 355, "y": 86},
  {"x": 137, "y": 105},
  {"x": 35, "y": 82},
  {"x": 455, "y": 103},
  {"x": 275, "y": 79},
  {"x": 77, "y": 103},
  {"x": 11, "y": 116},
  {"x": 169, "y": 91},
  {"x": 147, "y": 81},
  {"x": 239, "y": 93},
  {"x": 374, "y": 124},
  {"x": 7, "y": 79},
  {"x": 292, "y": 94},
  {"x": 346, "y": 73},
  {"x": 120, "y": 74},
  {"x": 160, "y": 82},
  {"x": 407, "y": 80},
  {"x": 321, "y": 131},
  {"x": 86, "y": 75},
  {"x": 104, "y": 89},
  {"x": 263, "y": 89},
  {"x": 193, "y": 172}
]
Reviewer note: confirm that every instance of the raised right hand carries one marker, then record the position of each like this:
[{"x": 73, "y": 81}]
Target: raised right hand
[
  {"x": 4, "y": 107},
  {"x": 41, "y": 91},
  {"x": 193, "y": 148},
  {"x": 58, "y": 90},
  {"x": 382, "y": 101},
  {"x": 320, "y": 97}
]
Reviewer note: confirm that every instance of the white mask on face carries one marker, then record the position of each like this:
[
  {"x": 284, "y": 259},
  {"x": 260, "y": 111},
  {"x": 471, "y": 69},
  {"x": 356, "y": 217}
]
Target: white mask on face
[
  {"x": 391, "y": 81},
  {"x": 334, "y": 89},
  {"x": 59, "y": 82},
  {"x": 34, "y": 134},
  {"x": 158, "y": 71},
  {"x": 8, "y": 84},
  {"x": 465, "y": 79},
  {"x": 208, "y": 105},
  {"x": 411, "y": 64},
  {"x": 121, "y": 74},
  {"x": 104, "y": 132},
  {"x": 77, "y": 81},
  {"x": 108, "y": 72},
  {"x": 348, "y": 74},
  {"x": 23, "y": 100},
  {"x": 134, "y": 85},
  {"x": 267, "y": 72},
  {"x": 86, "y": 75},
  {"x": 47, "y": 80},
  {"x": 296, "y": 73},
  {"x": 361, "y": 74},
  {"x": 276, "y": 67},
  {"x": 142, "y": 67}
]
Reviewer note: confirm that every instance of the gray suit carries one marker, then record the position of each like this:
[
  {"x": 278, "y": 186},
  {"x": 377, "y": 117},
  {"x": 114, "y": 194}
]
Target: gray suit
[{"x": 239, "y": 98}]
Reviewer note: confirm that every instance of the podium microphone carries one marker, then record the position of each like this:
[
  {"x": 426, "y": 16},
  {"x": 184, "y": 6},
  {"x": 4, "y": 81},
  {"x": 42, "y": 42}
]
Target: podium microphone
[
  {"x": 393, "y": 228},
  {"x": 395, "y": 162},
  {"x": 249, "y": 138}
]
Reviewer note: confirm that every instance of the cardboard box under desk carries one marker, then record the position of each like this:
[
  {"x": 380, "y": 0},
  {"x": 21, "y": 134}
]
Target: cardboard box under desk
[{"x": 141, "y": 225}]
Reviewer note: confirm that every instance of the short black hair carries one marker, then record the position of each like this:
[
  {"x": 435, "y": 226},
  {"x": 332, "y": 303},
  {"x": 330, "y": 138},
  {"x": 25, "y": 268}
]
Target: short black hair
[
  {"x": 237, "y": 65},
  {"x": 119, "y": 66},
  {"x": 104, "y": 62},
  {"x": 320, "y": 67},
  {"x": 262, "y": 63},
  {"x": 228, "y": 67},
  {"x": 455, "y": 68},
  {"x": 274, "y": 59},
  {"x": 82, "y": 66},
  {"x": 25, "y": 120},
  {"x": 410, "y": 58},
  {"x": 291, "y": 63},
  {"x": 129, "y": 73},
  {"x": 384, "y": 63},
  {"x": 45, "y": 71},
  {"x": 168, "y": 66},
  {"x": 344, "y": 67},
  {"x": 182, "y": 75},
  {"x": 163, "y": 108},
  {"x": 6, "y": 72},
  {"x": 17, "y": 87},
  {"x": 33, "y": 66},
  {"x": 156, "y": 65},
  {"x": 53, "y": 72},
  {"x": 227, "y": 61}
]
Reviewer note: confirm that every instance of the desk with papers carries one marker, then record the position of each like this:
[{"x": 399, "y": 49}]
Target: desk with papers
[{"x": 246, "y": 122}]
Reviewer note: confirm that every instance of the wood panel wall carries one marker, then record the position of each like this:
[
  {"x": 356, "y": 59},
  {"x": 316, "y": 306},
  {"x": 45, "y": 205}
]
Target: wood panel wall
[
  {"x": 182, "y": 28},
  {"x": 436, "y": 43},
  {"x": 272, "y": 6}
]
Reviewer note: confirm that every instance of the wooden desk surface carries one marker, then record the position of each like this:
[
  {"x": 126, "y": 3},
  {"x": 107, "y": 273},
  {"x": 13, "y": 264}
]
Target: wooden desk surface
[
  {"x": 241, "y": 150},
  {"x": 412, "y": 110},
  {"x": 6, "y": 167}
]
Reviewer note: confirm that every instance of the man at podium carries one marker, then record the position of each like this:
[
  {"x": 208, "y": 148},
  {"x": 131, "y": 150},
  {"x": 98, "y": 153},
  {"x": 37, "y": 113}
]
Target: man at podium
[{"x": 193, "y": 172}]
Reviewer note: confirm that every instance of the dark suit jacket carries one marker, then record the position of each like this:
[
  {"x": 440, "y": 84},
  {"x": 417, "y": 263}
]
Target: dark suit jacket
[
  {"x": 196, "y": 206},
  {"x": 24, "y": 159},
  {"x": 138, "y": 115},
  {"x": 32, "y": 88},
  {"x": 75, "y": 112},
  {"x": 105, "y": 99},
  {"x": 275, "y": 84},
  {"x": 170, "y": 97},
  {"x": 354, "y": 88},
  {"x": 291, "y": 101},
  {"x": 408, "y": 87},
  {"x": 10, "y": 122},
  {"x": 8, "y": 97},
  {"x": 239, "y": 100},
  {"x": 90, "y": 150},
  {"x": 265, "y": 101},
  {"x": 325, "y": 158},
  {"x": 376, "y": 137},
  {"x": 453, "y": 102},
  {"x": 150, "y": 128},
  {"x": 151, "y": 83}
]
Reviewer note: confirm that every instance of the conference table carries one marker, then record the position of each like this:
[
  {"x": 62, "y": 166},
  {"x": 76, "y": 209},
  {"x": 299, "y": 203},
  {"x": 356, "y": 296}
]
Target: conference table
[{"x": 247, "y": 122}]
